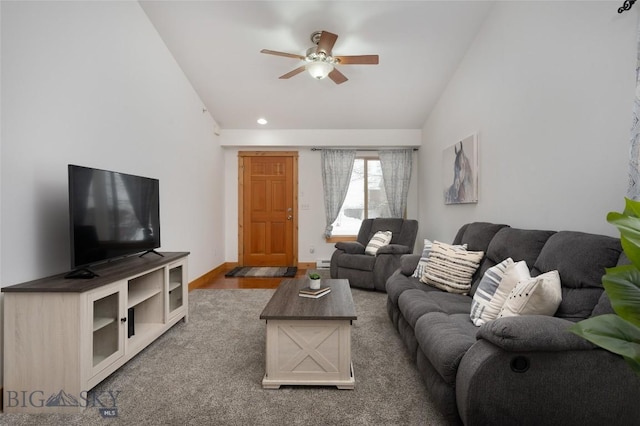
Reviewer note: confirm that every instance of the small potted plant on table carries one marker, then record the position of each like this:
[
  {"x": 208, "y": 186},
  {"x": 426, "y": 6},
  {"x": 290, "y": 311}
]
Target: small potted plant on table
[{"x": 314, "y": 281}]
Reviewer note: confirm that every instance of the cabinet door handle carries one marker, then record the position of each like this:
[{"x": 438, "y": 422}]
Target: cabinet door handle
[{"x": 124, "y": 319}]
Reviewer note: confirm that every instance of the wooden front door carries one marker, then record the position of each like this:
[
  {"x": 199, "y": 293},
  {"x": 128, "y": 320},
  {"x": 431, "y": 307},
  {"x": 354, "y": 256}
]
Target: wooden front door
[{"x": 268, "y": 208}]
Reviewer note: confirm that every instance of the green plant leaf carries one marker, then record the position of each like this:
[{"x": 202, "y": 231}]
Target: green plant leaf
[
  {"x": 631, "y": 207},
  {"x": 614, "y": 334},
  {"x": 620, "y": 333},
  {"x": 629, "y": 228},
  {"x": 631, "y": 248},
  {"x": 622, "y": 285}
]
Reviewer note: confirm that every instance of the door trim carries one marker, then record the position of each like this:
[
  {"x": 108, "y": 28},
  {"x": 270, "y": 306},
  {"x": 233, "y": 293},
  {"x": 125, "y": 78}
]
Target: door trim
[{"x": 241, "y": 156}]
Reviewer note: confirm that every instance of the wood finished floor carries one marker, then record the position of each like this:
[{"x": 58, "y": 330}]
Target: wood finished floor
[{"x": 220, "y": 281}]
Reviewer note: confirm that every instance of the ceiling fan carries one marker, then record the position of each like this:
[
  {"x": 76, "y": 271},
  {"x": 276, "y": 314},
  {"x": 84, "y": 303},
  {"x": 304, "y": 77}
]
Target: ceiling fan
[{"x": 320, "y": 62}]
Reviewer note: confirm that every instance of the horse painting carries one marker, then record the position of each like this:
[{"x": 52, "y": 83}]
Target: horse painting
[{"x": 462, "y": 190}]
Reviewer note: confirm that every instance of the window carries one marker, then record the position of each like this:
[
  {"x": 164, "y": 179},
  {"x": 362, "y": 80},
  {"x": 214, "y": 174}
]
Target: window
[{"x": 365, "y": 199}]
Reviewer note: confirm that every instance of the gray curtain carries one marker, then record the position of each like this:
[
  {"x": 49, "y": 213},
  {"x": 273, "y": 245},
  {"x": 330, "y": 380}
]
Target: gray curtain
[
  {"x": 337, "y": 165},
  {"x": 633, "y": 190},
  {"x": 396, "y": 175}
]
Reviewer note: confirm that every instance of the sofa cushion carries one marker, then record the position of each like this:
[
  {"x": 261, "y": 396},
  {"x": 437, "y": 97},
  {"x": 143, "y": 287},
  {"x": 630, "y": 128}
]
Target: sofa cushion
[
  {"x": 399, "y": 283},
  {"x": 477, "y": 235},
  {"x": 603, "y": 306},
  {"x": 580, "y": 259},
  {"x": 535, "y": 296},
  {"x": 404, "y": 230},
  {"x": 394, "y": 249},
  {"x": 518, "y": 244},
  {"x": 444, "y": 339},
  {"x": 380, "y": 239},
  {"x": 451, "y": 269},
  {"x": 415, "y": 303}
]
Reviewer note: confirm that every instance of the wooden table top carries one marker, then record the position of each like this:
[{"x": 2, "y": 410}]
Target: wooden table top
[{"x": 287, "y": 305}]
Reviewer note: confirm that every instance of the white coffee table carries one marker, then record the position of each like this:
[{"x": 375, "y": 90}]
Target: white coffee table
[{"x": 309, "y": 340}]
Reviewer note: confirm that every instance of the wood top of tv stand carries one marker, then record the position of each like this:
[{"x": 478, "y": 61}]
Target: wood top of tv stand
[{"x": 108, "y": 273}]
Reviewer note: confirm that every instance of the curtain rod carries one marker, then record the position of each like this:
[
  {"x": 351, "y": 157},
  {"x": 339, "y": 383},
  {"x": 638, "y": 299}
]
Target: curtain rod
[{"x": 364, "y": 149}]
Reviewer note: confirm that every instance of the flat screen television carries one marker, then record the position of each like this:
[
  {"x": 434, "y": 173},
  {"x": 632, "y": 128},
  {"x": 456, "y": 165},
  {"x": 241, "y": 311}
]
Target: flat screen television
[{"x": 112, "y": 215}]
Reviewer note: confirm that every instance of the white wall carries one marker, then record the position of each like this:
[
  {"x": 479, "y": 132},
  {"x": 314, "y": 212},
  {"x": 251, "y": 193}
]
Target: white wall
[
  {"x": 311, "y": 222},
  {"x": 91, "y": 83},
  {"x": 549, "y": 87}
]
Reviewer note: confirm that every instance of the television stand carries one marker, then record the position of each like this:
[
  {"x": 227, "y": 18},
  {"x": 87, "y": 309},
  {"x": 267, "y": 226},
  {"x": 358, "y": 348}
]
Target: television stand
[
  {"x": 62, "y": 337},
  {"x": 81, "y": 273},
  {"x": 151, "y": 251}
]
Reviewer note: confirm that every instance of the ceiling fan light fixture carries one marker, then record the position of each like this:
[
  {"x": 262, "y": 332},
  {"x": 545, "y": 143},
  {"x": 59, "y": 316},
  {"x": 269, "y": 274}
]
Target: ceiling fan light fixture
[
  {"x": 319, "y": 69},
  {"x": 319, "y": 59}
]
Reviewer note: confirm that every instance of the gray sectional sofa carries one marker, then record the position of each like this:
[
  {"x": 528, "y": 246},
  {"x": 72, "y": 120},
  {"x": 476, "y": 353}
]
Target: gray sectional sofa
[{"x": 526, "y": 370}]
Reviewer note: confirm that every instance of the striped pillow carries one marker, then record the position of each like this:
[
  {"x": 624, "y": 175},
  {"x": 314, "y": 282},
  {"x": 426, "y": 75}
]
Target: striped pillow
[
  {"x": 380, "y": 239},
  {"x": 481, "y": 306},
  {"x": 451, "y": 269},
  {"x": 425, "y": 257}
]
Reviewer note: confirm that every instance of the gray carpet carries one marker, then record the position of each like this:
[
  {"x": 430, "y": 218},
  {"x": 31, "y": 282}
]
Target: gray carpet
[{"x": 209, "y": 372}]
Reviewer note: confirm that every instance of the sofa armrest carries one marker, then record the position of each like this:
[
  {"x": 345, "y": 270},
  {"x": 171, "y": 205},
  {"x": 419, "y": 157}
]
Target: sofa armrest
[
  {"x": 351, "y": 247},
  {"x": 532, "y": 333},
  {"x": 577, "y": 387},
  {"x": 394, "y": 249},
  {"x": 408, "y": 264}
]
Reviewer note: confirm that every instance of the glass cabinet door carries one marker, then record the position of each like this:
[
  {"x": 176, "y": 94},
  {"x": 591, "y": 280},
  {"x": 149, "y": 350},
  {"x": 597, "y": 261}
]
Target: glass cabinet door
[
  {"x": 106, "y": 332},
  {"x": 176, "y": 288}
]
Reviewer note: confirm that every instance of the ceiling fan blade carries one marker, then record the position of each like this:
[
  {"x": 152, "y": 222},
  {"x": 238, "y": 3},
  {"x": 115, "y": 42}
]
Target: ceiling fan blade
[
  {"x": 358, "y": 60},
  {"x": 326, "y": 42},
  {"x": 292, "y": 73},
  {"x": 286, "y": 55},
  {"x": 337, "y": 76}
]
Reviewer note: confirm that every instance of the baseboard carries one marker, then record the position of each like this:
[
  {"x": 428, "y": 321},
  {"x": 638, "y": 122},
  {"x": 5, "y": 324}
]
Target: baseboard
[{"x": 204, "y": 279}]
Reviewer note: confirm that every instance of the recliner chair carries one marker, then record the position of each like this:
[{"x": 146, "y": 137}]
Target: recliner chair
[{"x": 371, "y": 272}]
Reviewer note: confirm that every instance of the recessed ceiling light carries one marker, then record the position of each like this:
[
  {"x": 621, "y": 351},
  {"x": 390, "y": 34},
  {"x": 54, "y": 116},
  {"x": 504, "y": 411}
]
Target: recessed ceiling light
[{"x": 262, "y": 121}]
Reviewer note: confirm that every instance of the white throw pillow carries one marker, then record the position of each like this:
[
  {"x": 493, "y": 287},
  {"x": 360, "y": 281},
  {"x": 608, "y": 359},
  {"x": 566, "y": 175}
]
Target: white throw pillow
[
  {"x": 380, "y": 239},
  {"x": 540, "y": 295},
  {"x": 481, "y": 310},
  {"x": 451, "y": 269},
  {"x": 513, "y": 274},
  {"x": 424, "y": 258}
]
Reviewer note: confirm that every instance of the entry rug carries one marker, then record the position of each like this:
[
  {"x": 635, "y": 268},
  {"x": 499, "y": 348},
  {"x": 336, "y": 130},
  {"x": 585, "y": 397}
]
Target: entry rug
[{"x": 262, "y": 271}]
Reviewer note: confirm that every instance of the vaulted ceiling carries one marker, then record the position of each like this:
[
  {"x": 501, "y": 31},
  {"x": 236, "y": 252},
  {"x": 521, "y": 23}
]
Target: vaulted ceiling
[{"x": 217, "y": 44}]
